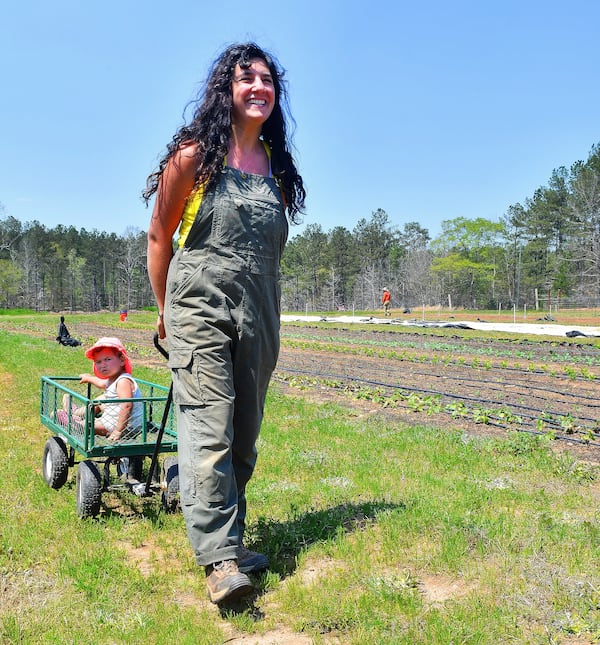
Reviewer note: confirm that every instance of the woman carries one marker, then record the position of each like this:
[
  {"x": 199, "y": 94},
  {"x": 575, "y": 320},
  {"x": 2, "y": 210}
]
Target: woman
[{"x": 226, "y": 181}]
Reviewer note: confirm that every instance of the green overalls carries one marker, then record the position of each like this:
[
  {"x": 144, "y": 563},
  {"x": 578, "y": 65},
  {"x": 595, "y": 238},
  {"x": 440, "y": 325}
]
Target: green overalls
[{"x": 222, "y": 318}]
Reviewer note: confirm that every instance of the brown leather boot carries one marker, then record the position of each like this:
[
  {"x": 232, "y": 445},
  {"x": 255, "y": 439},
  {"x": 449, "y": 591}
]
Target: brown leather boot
[{"x": 224, "y": 581}]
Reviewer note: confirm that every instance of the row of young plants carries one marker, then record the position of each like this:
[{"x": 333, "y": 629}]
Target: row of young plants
[
  {"x": 554, "y": 425},
  {"x": 471, "y": 341},
  {"x": 498, "y": 348}
]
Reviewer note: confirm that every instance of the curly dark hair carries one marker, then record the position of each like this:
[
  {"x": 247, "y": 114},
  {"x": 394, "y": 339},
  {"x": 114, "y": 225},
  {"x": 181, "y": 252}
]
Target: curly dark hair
[{"x": 210, "y": 127}]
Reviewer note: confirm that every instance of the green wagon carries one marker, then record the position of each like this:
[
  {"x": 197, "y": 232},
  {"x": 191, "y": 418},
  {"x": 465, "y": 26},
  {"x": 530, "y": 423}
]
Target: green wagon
[{"x": 73, "y": 435}]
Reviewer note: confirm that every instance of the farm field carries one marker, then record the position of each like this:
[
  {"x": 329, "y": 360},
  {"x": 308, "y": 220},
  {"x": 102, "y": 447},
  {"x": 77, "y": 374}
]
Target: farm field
[
  {"x": 474, "y": 382},
  {"x": 414, "y": 486}
]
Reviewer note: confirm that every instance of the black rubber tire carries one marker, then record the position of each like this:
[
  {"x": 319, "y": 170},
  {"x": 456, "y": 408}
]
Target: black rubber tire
[
  {"x": 170, "y": 476},
  {"x": 88, "y": 489},
  {"x": 55, "y": 463}
]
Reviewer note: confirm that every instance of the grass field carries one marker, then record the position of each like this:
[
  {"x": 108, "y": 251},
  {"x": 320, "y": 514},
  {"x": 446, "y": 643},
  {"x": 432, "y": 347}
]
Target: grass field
[{"x": 377, "y": 532}]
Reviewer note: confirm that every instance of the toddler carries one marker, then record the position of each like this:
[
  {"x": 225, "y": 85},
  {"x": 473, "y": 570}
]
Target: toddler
[{"x": 112, "y": 373}]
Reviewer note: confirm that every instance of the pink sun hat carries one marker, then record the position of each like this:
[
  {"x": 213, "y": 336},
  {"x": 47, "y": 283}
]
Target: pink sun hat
[{"x": 109, "y": 343}]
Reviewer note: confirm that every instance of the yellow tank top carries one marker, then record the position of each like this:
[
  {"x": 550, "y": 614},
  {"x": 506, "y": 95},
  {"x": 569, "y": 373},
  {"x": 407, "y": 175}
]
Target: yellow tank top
[{"x": 193, "y": 204}]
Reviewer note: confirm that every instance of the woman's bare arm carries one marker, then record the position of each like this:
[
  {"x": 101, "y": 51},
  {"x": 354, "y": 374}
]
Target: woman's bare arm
[{"x": 176, "y": 184}]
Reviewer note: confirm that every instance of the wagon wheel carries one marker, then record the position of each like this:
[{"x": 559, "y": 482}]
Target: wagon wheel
[
  {"x": 170, "y": 479},
  {"x": 88, "y": 489},
  {"x": 55, "y": 462}
]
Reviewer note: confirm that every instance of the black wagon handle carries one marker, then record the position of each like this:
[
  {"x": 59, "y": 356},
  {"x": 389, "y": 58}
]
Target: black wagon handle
[
  {"x": 154, "y": 463},
  {"x": 159, "y": 347}
]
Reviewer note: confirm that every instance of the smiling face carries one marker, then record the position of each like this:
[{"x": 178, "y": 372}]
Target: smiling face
[
  {"x": 108, "y": 363},
  {"x": 253, "y": 93}
]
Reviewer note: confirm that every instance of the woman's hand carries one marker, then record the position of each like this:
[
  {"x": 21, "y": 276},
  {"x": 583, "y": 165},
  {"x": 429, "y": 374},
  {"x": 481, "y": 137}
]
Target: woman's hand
[{"x": 160, "y": 326}]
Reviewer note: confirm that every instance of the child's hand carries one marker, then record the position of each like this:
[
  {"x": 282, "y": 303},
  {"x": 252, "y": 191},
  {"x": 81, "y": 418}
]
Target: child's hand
[{"x": 100, "y": 383}]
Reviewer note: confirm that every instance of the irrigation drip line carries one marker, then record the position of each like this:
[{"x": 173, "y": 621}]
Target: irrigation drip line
[
  {"x": 517, "y": 348},
  {"x": 515, "y": 387},
  {"x": 518, "y": 384},
  {"x": 409, "y": 388},
  {"x": 528, "y": 419},
  {"x": 494, "y": 366}
]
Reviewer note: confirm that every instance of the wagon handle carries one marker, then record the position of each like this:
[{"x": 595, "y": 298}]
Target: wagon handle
[
  {"x": 154, "y": 463},
  {"x": 159, "y": 347}
]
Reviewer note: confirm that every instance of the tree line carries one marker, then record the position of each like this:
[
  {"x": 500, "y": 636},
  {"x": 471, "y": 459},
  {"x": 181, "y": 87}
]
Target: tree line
[
  {"x": 544, "y": 250},
  {"x": 65, "y": 268},
  {"x": 540, "y": 252}
]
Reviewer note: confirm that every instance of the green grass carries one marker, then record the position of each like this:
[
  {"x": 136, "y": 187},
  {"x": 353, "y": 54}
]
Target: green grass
[{"x": 377, "y": 533}]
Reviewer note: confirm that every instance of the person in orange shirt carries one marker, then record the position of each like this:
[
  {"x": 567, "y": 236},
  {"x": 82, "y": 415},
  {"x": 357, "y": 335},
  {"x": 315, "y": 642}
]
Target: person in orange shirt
[{"x": 386, "y": 301}]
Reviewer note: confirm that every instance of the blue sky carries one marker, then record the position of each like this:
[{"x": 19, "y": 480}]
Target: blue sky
[{"x": 429, "y": 110}]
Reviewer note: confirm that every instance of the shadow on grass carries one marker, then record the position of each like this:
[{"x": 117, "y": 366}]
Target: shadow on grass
[
  {"x": 118, "y": 494},
  {"x": 283, "y": 541}
]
